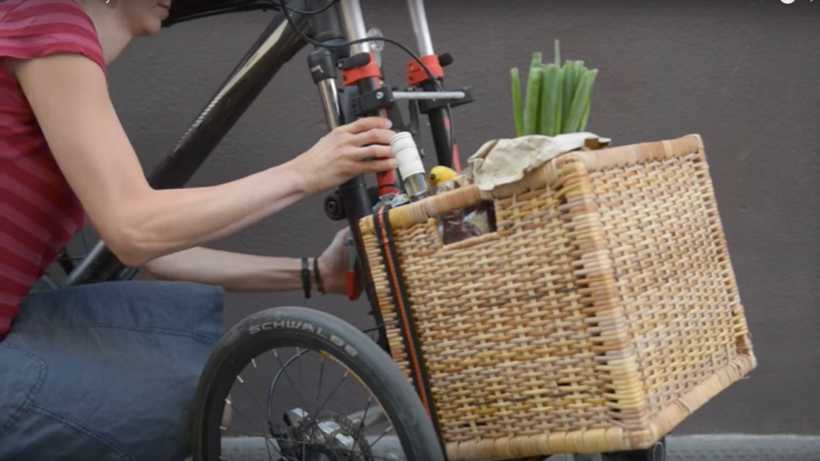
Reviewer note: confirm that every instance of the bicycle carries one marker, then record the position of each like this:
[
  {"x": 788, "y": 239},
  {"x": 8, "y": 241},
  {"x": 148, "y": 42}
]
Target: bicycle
[{"x": 336, "y": 30}]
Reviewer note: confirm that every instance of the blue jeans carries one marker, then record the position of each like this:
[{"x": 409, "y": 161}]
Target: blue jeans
[{"x": 106, "y": 372}]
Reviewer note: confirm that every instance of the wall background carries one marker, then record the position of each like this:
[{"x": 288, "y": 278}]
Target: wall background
[{"x": 743, "y": 74}]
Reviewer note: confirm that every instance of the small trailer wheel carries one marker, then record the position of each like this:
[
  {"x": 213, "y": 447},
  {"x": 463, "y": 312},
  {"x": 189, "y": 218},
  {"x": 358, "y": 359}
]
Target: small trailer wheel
[{"x": 655, "y": 453}]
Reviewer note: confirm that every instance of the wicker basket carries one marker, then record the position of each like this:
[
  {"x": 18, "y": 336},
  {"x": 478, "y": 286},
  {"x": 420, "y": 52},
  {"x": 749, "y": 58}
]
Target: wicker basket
[{"x": 600, "y": 314}]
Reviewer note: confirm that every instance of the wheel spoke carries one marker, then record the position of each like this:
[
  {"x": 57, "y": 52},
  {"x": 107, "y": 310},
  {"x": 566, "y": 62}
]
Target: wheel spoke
[
  {"x": 287, "y": 375},
  {"x": 364, "y": 416},
  {"x": 361, "y": 424},
  {"x": 321, "y": 375},
  {"x": 270, "y": 458},
  {"x": 341, "y": 381},
  {"x": 299, "y": 365},
  {"x": 380, "y": 437},
  {"x": 253, "y": 397}
]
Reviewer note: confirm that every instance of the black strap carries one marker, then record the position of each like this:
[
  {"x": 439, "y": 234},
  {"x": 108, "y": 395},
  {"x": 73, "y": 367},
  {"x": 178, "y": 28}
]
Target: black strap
[
  {"x": 319, "y": 285},
  {"x": 306, "y": 277},
  {"x": 401, "y": 302}
]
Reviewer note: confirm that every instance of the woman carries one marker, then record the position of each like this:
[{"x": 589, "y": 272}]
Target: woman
[{"x": 108, "y": 371}]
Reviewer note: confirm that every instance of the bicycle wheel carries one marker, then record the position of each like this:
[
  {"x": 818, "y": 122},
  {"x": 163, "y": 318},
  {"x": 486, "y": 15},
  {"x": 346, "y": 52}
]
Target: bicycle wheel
[
  {"x": 655, "y": 453},
  {"x": 267, "y": 353}
]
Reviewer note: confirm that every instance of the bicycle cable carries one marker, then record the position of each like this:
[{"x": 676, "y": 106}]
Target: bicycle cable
[{"x": 286, "y": 10}]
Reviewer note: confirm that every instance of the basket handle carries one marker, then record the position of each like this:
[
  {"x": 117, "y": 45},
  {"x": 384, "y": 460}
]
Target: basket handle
[{"x": 433, "y": 207}]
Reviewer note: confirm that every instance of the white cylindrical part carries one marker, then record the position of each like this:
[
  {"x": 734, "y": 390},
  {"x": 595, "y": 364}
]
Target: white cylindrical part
[{"x": 407, "y": 154}]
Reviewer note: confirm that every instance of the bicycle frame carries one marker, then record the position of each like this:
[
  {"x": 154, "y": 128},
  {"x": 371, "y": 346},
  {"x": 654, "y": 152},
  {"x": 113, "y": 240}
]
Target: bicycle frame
[{"x": 276, "y": 46}]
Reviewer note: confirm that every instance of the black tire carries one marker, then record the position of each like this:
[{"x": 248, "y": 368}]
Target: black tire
[
  {"x": 297, "y": 327},
  {"x": 656, "y": 453}
]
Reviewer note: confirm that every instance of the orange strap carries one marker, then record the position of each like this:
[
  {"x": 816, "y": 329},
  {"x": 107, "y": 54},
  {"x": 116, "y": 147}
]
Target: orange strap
[
  {"x": 416, "y": 74},
  {"x": 412, "y": 345},
  {"x": 371, "y": 69}
]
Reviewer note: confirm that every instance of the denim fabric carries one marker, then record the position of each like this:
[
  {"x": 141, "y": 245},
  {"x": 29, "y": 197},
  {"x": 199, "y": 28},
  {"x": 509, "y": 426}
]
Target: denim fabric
[{"x": 106, "y": 371}]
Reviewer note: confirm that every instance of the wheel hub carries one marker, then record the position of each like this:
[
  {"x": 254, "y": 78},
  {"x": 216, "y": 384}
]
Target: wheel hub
[{"x": 329, "y": 436}]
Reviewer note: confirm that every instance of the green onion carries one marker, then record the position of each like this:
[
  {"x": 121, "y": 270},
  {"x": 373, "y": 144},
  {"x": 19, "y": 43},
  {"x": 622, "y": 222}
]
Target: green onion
[
  {"x": 585, "y": 117},
  {"x": 558, "y": 98},
  {"x": 516, "y": 95},
  {"x": 580, "y": 70},
  {"x": 557, "y": 92},
  {"x": 550, "y": 100},
  {"x": 581, "y": 102},
  {"x": 568, "y": 77},
  {"x": 558, "y": 95},
  {"x": 533, "y": 93}
]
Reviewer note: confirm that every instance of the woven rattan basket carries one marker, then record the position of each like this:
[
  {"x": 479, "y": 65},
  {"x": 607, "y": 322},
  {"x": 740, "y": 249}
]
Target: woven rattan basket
[{"x": 600, "y": 314}]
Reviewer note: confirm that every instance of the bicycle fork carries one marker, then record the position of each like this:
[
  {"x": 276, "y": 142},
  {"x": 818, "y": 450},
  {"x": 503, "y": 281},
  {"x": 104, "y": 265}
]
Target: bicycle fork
[
  {"x": 369, "y": 96},
  {"x": 354, "y": 201}
]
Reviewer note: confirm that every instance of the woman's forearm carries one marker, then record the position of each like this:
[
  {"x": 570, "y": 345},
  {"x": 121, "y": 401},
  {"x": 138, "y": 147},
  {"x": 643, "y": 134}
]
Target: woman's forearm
[
  {"x": 162, "y": 222},
  {"x": 234, "y": 272}
]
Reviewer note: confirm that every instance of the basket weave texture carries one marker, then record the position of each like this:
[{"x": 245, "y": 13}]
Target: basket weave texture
[{"x": 599, "y": 315}]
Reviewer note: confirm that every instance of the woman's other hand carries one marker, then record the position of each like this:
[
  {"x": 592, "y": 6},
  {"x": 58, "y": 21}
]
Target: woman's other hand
[{"x": 333, "y": 264}]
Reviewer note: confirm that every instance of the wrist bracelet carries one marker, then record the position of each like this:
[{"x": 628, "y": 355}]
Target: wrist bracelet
[
  {"x": 319, "y": 287},
  {"x": 306, "y": 277}
]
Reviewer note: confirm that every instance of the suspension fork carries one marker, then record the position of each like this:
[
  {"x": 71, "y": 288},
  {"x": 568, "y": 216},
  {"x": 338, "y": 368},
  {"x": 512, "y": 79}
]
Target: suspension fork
[
  {"x": 437, "y": 111},
  {"x": 356, "y": 201}
]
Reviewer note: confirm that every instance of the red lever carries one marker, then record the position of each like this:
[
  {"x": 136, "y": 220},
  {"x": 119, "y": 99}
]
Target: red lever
[{"x": 353, "y": 290}]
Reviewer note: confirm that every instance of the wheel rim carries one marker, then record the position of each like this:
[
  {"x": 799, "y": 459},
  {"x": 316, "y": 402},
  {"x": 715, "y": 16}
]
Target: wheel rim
[{"x": 329, "y": 415}]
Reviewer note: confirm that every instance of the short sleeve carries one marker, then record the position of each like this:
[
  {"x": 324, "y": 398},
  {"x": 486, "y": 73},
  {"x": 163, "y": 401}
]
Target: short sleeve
[{"x": 36, "y": 28}]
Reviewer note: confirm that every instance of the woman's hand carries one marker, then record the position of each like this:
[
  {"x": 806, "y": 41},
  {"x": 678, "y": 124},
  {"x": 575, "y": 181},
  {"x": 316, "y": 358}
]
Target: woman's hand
[
  {"x": 342, "y": 155},
  {"x": 333, "y": 264}
]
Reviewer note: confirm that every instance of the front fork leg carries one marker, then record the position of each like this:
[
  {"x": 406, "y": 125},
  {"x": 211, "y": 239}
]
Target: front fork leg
[{"x": 354, "y": 198}]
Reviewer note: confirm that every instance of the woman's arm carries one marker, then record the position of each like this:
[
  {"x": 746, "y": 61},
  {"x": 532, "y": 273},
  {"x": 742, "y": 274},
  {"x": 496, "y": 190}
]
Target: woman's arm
[
  {"x": 244, "y": 272},
  {"x": 69, "y": 96},
  {"x": 232, "y": 271}
]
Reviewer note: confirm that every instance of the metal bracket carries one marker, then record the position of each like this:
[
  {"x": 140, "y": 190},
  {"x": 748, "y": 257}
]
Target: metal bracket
[
  {"x": 429, "y": 95},
  {"x": 373, "y": 101},
  {"x": 425, "y": 105}
]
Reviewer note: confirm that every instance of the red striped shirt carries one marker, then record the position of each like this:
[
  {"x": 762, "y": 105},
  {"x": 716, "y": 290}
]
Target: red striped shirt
[{"x": 39, "y": 212}]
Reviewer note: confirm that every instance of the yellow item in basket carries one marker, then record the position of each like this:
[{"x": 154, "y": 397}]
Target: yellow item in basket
[{"x": 441, "y": 174}]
